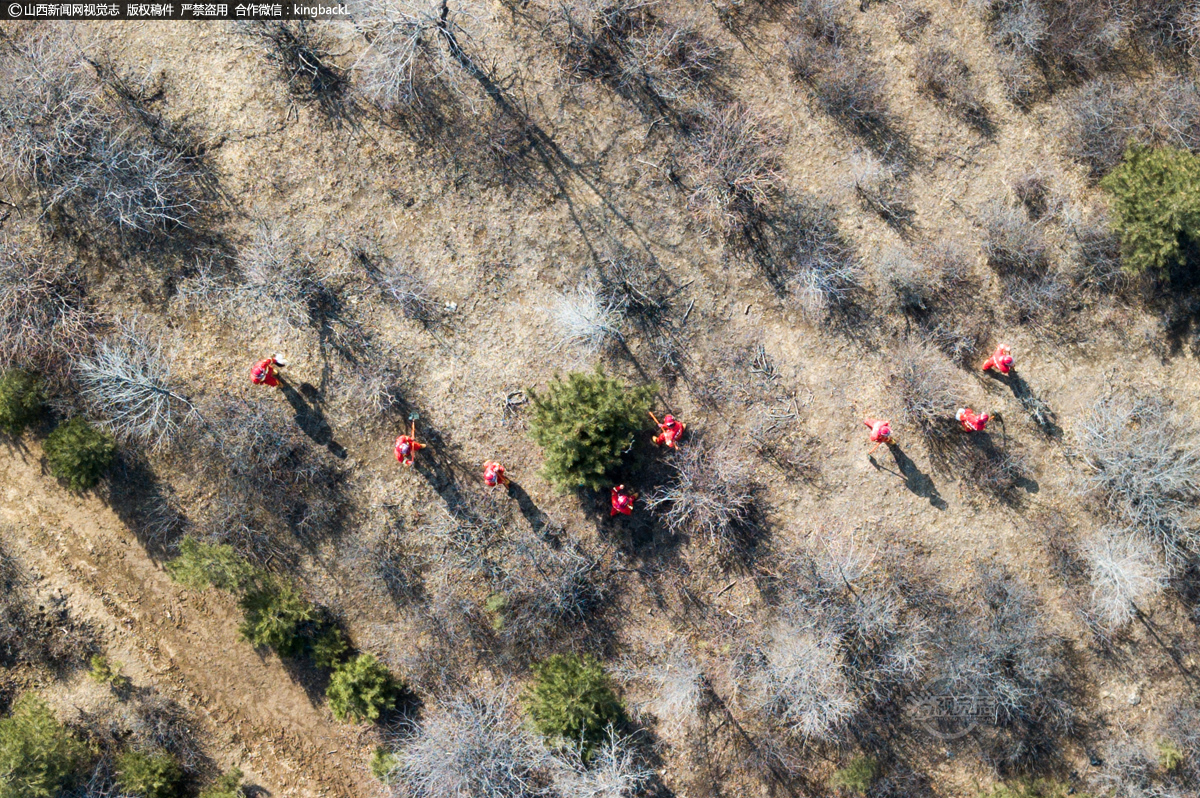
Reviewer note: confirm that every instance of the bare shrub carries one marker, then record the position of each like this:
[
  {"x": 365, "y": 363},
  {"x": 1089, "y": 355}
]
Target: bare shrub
[
  {"x": 49, "y": 113},
  {"x": 666, "y": 60},
  {"x": 473, "y": 744},
  {"x": 615, "y": 769},
  {"x": 996, "y": 652},
  {"x": 471, "y": 532},
  {"x": 1172, "y": 109},
  {"x": 129, "y": 184},
  {"x": 546, "y": 591},
  {"x": 1143, "y": 466},
  {"x": 1125, "y": 572},
  {"x": 711, "y": 494},
  {"x": 1040, "y": 300},
  {"x": 1096, "y": 253},
  {"x": 923, "y": 380},
  {"x": 914, "y": 283},
  {"x": 946, "y": 77},
  {"x": 45, "y": 322},
  {"x": 415, "y": 45},
  {"x": 586, "y": 319},
  {"x": 300, "y": 51},
  {"x": 850, "y": 89},
  {"x": 881, "y": 189},
  {"x": 678, "y": 685},
  {"x": 1172, "y": 25},
  {"x": 797, "y": 678},
  {"x": 1033, "y": 193},
  {"x": 1011, "y": 242},
  {"x": 409, "y": 287},
  {"x": 128, "y": 381},
  {"x": 818, "y": 266},
  {"x": 1101, "y": 119},
  {"x": 280, "y": 281},
  {"x": 912, "y": 20},
  {"x": 1180, "y": 725},
  {"x": 733, "y": 160}
]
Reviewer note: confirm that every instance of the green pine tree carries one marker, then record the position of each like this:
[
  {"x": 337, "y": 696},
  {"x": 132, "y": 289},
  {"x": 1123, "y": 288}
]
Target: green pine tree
[
  {"x": 79, "y": 453},
  {"x": 273, "y": 615},
  {"x": 383, "y": 765},
  {"x": 361, "y": 689},
  {"x": 22, "y": 400},
  {"x": 200, "y": 565},
  {"x": 38, "y": 757},
  {"x": 584, "y": 424},
  {"x": 155, "y": 775},
  {"x": 228, "y": 785},
  {"x": 572, "y": 702},
  {"x": 1155, "y": 194}
]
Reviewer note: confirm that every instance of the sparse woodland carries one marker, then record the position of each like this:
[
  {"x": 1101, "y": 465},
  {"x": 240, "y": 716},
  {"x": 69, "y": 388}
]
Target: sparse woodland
[{"x": 520, "y": 228}]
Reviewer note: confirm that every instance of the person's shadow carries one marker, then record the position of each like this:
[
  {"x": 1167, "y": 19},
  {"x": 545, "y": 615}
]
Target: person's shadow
[
  {"x": 539, "y": 522},
  {"x": 918, "y": 482},
  {"x": 1037, "y": 409},
  {"x": 309, "y": 417}
]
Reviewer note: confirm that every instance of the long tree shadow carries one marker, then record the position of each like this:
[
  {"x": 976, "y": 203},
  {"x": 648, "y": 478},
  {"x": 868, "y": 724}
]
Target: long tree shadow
[
  {"x": 145, "y": 504},
  {"x": 918, "y": 482},
  {"x": 306, "y": 402}
]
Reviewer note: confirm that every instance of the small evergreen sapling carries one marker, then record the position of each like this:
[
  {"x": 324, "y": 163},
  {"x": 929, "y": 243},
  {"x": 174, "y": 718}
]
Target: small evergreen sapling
[
  {"x": 228, "y": 785},
  {"x": 21, "y": 400},
  {"x": 155, "y": 775},
  {"x": 273, "y": 615},
  {"x": 584, "y": 424},
  {"x": 201, "y": 565},
  {"x": 361, "y": 689},
  {"x": 38, "y": 757},
  {"x": 571, "y": 701},
  {"x": 1155, "y": 194},
  {"x": 79, "y": 454}
]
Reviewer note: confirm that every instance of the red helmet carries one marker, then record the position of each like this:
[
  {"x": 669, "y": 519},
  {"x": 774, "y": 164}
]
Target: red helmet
[{"x": 668, "y": 419}]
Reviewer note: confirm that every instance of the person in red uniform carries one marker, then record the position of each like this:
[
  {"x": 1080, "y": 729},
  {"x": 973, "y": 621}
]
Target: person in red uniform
[
  {"x": 493, "y": 474},
  {"x": 622, "y": 502},
  {"x": 1001, "y": 360},
  {"x": 972, "y": 421},
  {"x": 671, "y": 430},
  {"x": 407, "y": 447},
  {"x": 881, "y": 432},
  {"x": 263, "y": 372}
]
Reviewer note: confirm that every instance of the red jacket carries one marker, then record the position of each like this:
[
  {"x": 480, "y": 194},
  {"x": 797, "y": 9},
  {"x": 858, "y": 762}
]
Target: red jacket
[{"x": 263, "y": 373}]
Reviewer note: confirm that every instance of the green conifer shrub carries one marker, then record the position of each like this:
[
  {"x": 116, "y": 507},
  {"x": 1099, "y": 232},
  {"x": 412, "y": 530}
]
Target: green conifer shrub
[
  {"x": 572, "y": 702},
  {"x": 383, "y": 765},
  {"x": 1155, "y": 197},
  {"x": 22, "y": 400},
  {"x": 38, "y": 757},
  {"x": 858, "y": 776},
  {"x": 200, "y": 565},
  {"x": 79, "y": 453},
  {"x": 274, "y": 613},
  {"x": 584, "y": 424},
  {"x": 155, "y": 775},
  {"x": 361, "y": 689},
  {"x": 228, "y": 785}
]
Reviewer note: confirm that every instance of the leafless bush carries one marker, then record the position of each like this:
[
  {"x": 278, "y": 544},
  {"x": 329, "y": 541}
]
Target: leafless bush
[
  {"x": 946, "y": 77},
  {"x": 711, "y": 494},
  {"x": 280, "y": 281},
  {"x": 997, "y": 653},
  {"x": 1125, "y": 572},
  {"x": 586, "y": 319},
  {"x": 45, "y": 322},
  {"x": 128, "y": 381},
  {"x": 374, "y": 390},
  {"x": 912, "y": 286},
  {"x": 823, "y": 20},
  {"x": 819, "y": 267},
  {"x": 546, "y": 591},
  {"x": 1096, "y": 253},
  {"x": 666, "y": 60},
  {"x": 414, "y": 44},
  {"x": 130, "y": 185},
  {"x": 470, "y": 744},
  {"x": 1143, "y": 466},
  {"x": 923, "y": 380},
  {"x": 1180, "y": 724},
  {"x": 850, "y": 89},
  {"x": 300, "y": 51},
  {"x": 1011, "y": 242},
  {"x": 409, "y": 287},
  {"x": 1172, "y": 109},
  {"x": 1173, "y": 25},
  {"x": 678, "y": 685},
  {"x": 1101, "y": 119},
  {"x": 1033, "y": 193},
  {"x": 733, "y": 160},
  {"x": 1127, "y": 770},
  {"x": 911, "y": 21},
  {"x": 797, "y": 678},
  {"x": 49, "y": 113},
  {"x": 471, "y": 531},
  {"x": 881, "y": 189},
  {"x": 614, "y": 769}
]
